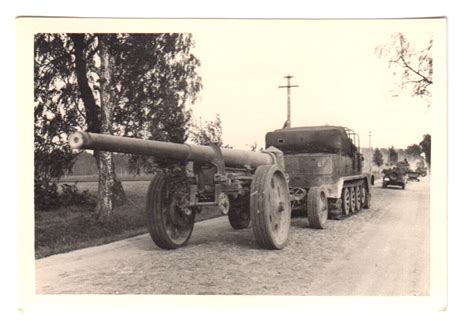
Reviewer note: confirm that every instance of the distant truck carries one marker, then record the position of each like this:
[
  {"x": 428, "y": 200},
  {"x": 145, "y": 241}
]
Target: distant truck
[
  {"x": 396, "y": 175},
  {"x": 421, "y": 171},
  {"x": 413, "y": 175}
]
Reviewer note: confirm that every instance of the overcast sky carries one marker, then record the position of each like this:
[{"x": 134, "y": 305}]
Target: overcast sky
[{"x": 341, "y": 80}]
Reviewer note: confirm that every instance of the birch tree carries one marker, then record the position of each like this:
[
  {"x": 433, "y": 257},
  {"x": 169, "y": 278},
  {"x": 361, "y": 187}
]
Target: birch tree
[{"x": 139, "y": 85}]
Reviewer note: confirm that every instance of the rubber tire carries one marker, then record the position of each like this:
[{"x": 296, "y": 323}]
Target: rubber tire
[
  {"x": 239, "y": 213},
  {"x": 157, "y": 219},
  {"x": 269, "y": 235},
  {"x": 393, "y": 176},
  {"x": 317, "y": 207}
]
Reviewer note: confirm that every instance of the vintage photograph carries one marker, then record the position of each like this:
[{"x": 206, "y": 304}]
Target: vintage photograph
[{"x": 237, "y": 157}]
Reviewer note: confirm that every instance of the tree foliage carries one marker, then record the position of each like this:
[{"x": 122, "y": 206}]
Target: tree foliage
[
  {"x": 413, "y": 68},
  {"x": 425, "y": 145},
  {"x": 150, "y": 88},
  {"x": 207, "y": 132},
  {"x": 413, "y": 150},
  {"x": 378, "y": 157}
]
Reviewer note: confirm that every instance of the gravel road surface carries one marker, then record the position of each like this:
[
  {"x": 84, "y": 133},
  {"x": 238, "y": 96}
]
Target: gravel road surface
[{"x": 380, "y": 251}]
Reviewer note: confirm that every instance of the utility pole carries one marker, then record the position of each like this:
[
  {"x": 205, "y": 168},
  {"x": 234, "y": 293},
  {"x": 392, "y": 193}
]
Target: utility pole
[{"x": 288, "y": 90}]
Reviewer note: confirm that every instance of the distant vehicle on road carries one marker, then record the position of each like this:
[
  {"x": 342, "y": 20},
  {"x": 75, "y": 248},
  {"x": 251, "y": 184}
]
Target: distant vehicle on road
[
  {"x": 421, "y": 171},
  {"x": 395, "y": 175},
  {"x": 413, "y": 175}
]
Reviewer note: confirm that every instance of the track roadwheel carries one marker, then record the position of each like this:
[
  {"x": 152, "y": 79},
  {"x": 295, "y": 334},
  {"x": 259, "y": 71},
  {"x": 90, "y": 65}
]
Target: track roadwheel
[
  {"x": 352, "y": 193},
  {"x": 169, "y": 225},
  {"x": 270, "y": 207},
  {"x": 365, "y": 196},
  {"x": 239, "y": 213},
  {"x": 346, "y": 201},
  {"x": 358, "y": 204},
  {"x": 317, "y": 208}
]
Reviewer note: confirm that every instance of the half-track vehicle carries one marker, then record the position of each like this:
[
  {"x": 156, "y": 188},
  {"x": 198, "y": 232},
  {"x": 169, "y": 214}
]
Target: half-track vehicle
[{"x": 324, "y": 165}]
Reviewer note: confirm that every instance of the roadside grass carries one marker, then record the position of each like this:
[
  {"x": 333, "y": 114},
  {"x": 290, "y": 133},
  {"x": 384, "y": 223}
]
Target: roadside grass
[
  {"x": 74, "y": 227},
  {"x": 94, "y": 178}
]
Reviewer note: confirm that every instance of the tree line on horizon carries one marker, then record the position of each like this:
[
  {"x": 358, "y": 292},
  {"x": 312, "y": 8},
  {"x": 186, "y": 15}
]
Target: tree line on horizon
[{"x": 413, "y": 151}]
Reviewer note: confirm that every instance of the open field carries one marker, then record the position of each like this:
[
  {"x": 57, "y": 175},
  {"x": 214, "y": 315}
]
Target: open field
[{"x": 73, "y": 227}]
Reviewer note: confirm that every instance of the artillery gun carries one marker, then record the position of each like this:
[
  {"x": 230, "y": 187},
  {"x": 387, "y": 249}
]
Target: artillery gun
[{"x": 247, "y": 186}]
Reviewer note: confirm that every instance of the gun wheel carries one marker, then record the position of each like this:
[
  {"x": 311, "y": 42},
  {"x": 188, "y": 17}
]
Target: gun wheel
[
  {"x": 270, "y": 207},
  {"x": 239, "y": 213},
  {"x": 317, "y": 208},
  {"x": 169, "y": 225}
]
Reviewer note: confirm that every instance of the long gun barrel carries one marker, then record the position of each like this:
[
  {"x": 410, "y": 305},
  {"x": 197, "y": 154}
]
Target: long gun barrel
[
  {"x": 177, "y": 151},
  {"x": 247, "y": 186}
]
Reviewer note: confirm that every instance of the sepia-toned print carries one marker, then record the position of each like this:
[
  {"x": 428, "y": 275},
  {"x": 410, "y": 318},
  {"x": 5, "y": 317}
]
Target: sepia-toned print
[{"x": 238, "y": 157}]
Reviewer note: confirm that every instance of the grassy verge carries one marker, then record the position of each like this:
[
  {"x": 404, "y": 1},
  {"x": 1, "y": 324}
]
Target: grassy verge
[
  {"x": 73, "y": 227},
  {"x": 94, "y": 178}
]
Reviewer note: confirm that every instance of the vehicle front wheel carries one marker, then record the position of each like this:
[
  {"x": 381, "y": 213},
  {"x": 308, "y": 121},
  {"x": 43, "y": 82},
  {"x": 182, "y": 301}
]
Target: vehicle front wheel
[{"x": 317, "y": 208}]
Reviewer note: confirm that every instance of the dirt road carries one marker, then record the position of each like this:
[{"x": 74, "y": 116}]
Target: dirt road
[{"x": 380, "y": 251}]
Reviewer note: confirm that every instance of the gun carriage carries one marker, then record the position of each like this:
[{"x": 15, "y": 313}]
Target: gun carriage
[{"x": 247, "y": 186}]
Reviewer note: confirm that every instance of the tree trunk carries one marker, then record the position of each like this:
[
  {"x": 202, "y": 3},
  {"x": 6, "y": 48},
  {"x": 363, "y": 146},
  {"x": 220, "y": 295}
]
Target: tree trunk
[
  {"x": 91, "y": 108},
  {"x": 99, "y": 120},
  {"x": 111, "y": 192}
]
